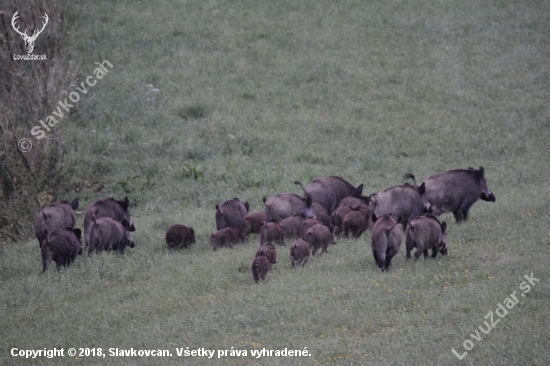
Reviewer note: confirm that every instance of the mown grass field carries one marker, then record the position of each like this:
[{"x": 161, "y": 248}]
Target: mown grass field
[{"x": 210, "y": 100}]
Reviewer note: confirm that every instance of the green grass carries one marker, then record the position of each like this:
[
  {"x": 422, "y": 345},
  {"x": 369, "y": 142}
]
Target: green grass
[{"x": 254, "y": 95}]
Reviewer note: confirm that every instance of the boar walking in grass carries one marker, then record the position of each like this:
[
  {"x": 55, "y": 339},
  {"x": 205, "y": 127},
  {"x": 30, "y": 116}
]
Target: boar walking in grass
[
  {"x": 260, "y": 268},
  {"x": 329, "y": 191},
  {"x": 55, "y": 216},
  {"x": 231, "y": 213},
  {"x": 299, "y": 253},
  {"x": 284, "y": 205},
  {"x": 456, "y": 191},
  {"x": 268, "y": 251},
  {"x": 291, "y": 226},
  {"x": 271, "y": 233},
  {"x": 227, "y": 237},
  {"x": 253, "y": 222},
  {"x": 107, "y": 207},
  {"x": 108, "y": 234},
  {"x": 180, "y": 236},
  {"x": 355, "y": 222},
  {"x": 425, "y": 232},
  {"x": 319, "y": 237},
  {"x": 306, "y": 224},
  {"x": 62, "y": 246},
  {"x": 386, "y": 240}
]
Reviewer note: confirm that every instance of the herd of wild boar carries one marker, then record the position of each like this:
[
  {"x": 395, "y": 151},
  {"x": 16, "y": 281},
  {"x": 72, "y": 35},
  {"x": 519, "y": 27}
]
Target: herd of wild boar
[{"x": 330, "y": 206}]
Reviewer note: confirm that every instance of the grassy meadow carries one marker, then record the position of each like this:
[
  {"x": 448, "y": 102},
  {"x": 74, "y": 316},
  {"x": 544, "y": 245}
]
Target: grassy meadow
[{"x": 211, "y": 100}]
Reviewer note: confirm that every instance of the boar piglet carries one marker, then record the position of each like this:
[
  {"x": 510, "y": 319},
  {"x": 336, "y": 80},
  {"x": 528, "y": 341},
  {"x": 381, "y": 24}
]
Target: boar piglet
[
  {"x": 306, "y": 224},
  {"x": 425, "y": 232},
  {"x": 329, "y": 191},
  {"x": 228, "y": 237},
  {"x": 108, "y": 234},
  {"x": 386, "y": 240},
  {"x": 456, "y": 191},
  {"x": 55, "y": 216},
  {"x": 231, "y": 213},
  {"x": 62, "y": 246},
  {"x": 253, "y": 222},
  {"x": 319, "y": 236},
  {"x": 260, "y": 268},
  {"x": 284, "y": 205},
  {"x": 299, "y": 253},
  {"x": 271, "y": 233},
  {"x": 107, "y": 207},
  {"x": 268, "y": 251},
  {"x": 180, "y": 236},
  {"x": 291, "y": 226}
]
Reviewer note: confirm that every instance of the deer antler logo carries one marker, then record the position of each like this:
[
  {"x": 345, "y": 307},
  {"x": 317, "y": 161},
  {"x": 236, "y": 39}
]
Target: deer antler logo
[{"x": 29, "y": 40}]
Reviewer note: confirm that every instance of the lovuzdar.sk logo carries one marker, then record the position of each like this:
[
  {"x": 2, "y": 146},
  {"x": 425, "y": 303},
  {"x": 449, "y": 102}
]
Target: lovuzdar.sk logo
[{"x": 29, "y": 40}]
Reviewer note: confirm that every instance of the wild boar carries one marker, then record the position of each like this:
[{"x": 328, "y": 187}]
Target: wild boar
[
  {"x": 299, "y": 253},
  {"x": 180, "y": 236},
  {"x": 456, "y": 191},
  {"x": 321, "y": 214},
  {"x": 319, "y": 236},
  {"x": 306, "y": 224},
  {"x": 260, "y": 268},
  {"x": 425, "y": 232},
  {"x": 337, "y": 219},
  {"x": 227, "y": 237},
  {"x": 291, "y": 226},
  {"x": 404, "y": 202},
  {"x": 108, "y": 234},
  {"x": 107, "y": 207},
  {"x": 62, "y": 246},
  {"x": 386, "y": 240},
  {"x": 356, "y": 201},
  {"x": 329, "y": 191},
  {"x": 268, "y": 251},
  {"x": 231, "y": 213},
  {"x": 57, "y": 215},
  {"x": 271, "y": 233},
  {"x": 355, "y": 222},
  {"x": 284, "y": 205},
  {"x": 253, "y": 222}
]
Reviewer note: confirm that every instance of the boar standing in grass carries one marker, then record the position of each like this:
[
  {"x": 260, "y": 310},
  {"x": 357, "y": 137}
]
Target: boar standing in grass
[
  {"x": 268, "y": 251},
  {"x": 355, "y": 222},
  {"x": 291, "y": 226},
  {"x": 227, "y": 237},
  {"x": 180, "y": 236},
  {"x": 306, "y": 224},
  {"x": 329, "y": 191},
  {"x": 231, "y": 213},
  {"x": 386, "y": 240},
  {"x": 321, "y": 214},
  {"x": 253, "y": 222},
  {"x": 456, "y": 191},
  {"x": 109, "y": 234},
  {"x": 284, "y": 205},
  {"x": 62, "y": 246},
  {"x": 299, "y": 253},
  {"x": 319, "y": 236},
  {"x": 55, "y": 216},
  {"x": 337, "y": 219},
  {"x": 107, "y": 207},
  {"x": 404, "y": 202},
  {"x": 271, "y": 233},
  {"x": 425, "y": 232},
  {"x": 260, "y": 268}
]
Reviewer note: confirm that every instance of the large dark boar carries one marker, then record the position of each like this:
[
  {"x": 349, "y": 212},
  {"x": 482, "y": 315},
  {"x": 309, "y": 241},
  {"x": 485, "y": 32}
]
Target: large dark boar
[
  {"x": 299, "y": 253},
  {"x": 456, "y": 191},
  {"x": 57, "y": 215},
  {"x": 253, "y": 222},
  {"x": 319, "y": 236},
  {"x": 284, "y": 205},
  {"x": 107, "y": 207},
  {"x": 62, "y": 246},
  {"x": 386, "y": 240},
  {"x": 404, "y": 202},
  {"x": 180, "y": 236},
  {"x": 268, "y": 251},
  {"x": 108, "y": 234},
  {"x": 425, "y": 232},
  {"x": 291, "y": 226},
  {"x": 271, "y": 233},
  {"x": 329, "y": 191},
  {"x": 260, "y": 268},
  {"x": 231, "y": 213},
  {"x": 227, "y": 237}
]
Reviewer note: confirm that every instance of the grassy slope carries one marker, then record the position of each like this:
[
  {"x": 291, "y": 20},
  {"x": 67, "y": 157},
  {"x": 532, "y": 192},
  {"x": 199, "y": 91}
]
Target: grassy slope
[{"x": 296, "y": 90}]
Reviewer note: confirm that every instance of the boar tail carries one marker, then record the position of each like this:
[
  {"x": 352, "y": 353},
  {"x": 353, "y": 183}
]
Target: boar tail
[
  {"x": 264, "y": 198},
  {"x": 410, "y": 176},
  {"x": 301, "y": 185}
]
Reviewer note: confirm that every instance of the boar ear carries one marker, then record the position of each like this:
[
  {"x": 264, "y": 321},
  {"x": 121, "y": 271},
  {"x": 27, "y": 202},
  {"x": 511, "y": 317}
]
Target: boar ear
[
  {"x": 247, "y": 206},
  {"x": 443, "y": 227},
  {"x": 358, "y": 191},
  {"x": 192, "y": 231},
  {"x": 78, "y": 233},
  {"x": 422, "y": 189},
  {"x": 481, "y": 171},
  {"x": 218, "y": 208},
  {"x": 74, "y": 204},
  {"x": 126, "y": 203},
  {"x": 126, "y": 224}
]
